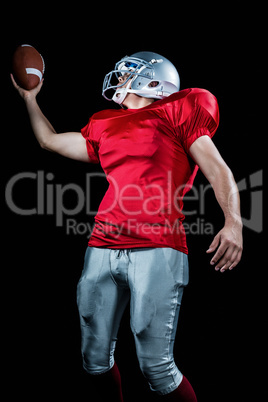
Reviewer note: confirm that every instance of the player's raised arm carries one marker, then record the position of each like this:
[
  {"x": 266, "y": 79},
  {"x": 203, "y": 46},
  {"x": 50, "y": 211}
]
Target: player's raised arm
[{"x": 72, "y": 144}]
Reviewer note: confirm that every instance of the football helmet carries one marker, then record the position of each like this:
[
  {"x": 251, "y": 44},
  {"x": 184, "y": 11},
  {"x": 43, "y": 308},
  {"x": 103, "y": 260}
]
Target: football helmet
[{"x": 148, "y": 74}]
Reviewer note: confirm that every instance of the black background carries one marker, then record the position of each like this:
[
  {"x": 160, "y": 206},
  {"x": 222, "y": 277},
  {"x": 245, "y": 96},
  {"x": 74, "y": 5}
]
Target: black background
[{"x": 219, "y": 343}]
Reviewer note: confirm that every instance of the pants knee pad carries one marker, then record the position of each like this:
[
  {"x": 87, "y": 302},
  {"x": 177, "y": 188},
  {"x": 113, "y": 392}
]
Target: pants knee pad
[
  {"x": 97, "y": 358},
  {"x": 163, "y": 377},
  {"x": 96, "y": 364}
]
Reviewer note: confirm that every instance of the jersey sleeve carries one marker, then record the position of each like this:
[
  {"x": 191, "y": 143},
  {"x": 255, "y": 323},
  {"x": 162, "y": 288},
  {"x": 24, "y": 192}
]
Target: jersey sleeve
[
  {"x": 92, "y": 144},
  {"x": 199, "y": 116}
]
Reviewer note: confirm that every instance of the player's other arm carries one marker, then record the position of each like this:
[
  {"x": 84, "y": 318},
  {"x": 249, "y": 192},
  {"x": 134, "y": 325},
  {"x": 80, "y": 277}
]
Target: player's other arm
[
  {"x": 228, "y": 241},
  {"x": 72, "y": 144}
]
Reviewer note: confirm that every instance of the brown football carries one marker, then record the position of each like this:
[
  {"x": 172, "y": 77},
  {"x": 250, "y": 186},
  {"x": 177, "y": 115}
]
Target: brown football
[{"x": 27, "y": 66}]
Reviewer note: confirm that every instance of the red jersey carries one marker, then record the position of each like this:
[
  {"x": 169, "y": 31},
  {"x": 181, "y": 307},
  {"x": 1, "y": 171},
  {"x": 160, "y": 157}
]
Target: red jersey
[{"x": 145, "y": 156}]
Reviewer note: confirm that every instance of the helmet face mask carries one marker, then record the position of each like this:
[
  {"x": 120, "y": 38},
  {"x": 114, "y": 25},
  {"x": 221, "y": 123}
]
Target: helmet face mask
[
  {"x": 144, "y": 68},
  {"x": 128, "y": 65}
]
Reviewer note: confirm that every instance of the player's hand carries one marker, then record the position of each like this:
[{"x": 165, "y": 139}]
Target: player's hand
[
  {"x": 25, "y": 94},
  {"x": 229, "y": 245}
]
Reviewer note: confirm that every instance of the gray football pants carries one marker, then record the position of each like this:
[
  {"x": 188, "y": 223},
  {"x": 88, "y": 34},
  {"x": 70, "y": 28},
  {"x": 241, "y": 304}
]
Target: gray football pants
[{"x": 152, "y": 279}]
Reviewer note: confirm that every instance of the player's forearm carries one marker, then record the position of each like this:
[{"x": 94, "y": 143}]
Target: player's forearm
[
  {"x": 42, "y": 128},
  {"x": 227, "y": 195},
  {"x": 208, "y": 158}
]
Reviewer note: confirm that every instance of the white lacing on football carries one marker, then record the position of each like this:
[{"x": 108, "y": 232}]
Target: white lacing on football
[{"x": 34, "y": 70}]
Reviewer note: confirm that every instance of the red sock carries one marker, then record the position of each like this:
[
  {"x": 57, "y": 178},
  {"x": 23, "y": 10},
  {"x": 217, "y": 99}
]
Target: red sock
[
  {"x": 184, "y": 393},
  {"x": 108, "y": 385}
]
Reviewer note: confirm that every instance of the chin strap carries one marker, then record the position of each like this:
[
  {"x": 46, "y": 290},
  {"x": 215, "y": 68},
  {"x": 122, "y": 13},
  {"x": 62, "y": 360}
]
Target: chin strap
[{"x": 121, "y": 93}]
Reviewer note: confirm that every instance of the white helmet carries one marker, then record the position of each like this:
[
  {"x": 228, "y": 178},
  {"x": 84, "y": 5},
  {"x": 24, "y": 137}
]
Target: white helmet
[{"x": 143, "y": 68}]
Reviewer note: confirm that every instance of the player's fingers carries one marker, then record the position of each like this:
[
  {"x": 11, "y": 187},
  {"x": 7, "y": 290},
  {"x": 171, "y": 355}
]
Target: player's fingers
[
  {"x": 237, "y": 259},
  {"x": 230, "y": 262},
  {"x": 219, "y": 253},
  {"x": 37, "y": 89},
  {"x": 13, "y": 81},
  {"x": 214, "y": 244},
  {"x": 40, "y": 83},
  {"x": 227, "y": 260},
  {"x": 20, "y": 90}
]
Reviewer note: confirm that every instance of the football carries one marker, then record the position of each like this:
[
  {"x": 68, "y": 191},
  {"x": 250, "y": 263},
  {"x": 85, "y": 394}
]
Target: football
[{"x": 27, "y": 66}]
